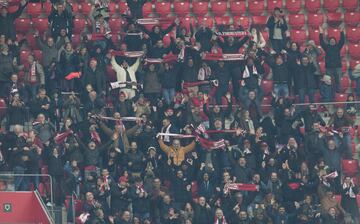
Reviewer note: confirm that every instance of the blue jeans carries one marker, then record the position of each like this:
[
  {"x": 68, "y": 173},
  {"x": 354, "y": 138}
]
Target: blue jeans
[
  {"x": 346, "y": 143},
  {"x": 303, "y": 93},
  {"x": 168, "y": 95},
  {"x": 281, "y": 89},
  {"x": 21, "y": 183}
]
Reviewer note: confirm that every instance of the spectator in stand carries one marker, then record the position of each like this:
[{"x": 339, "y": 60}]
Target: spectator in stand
[
  {"x": 204, "y": 36},
  {"x": 7, "y": 20},
  {"x": 93, "y": 75},
  {"x": 136, "y": 8},
  {"x": 305, "y": 79},
  {"x": 332, "y": 50},
  {"x": 280, "y": 75},
  {"x": 6, "y": 65},
  {"x": 277, "y": 27},
  {"x": 34, "y": 77},
  {"x": 313, "y": 52},
  {"x": 60, "y": 19},
  {"x": 126, "y": 76}
]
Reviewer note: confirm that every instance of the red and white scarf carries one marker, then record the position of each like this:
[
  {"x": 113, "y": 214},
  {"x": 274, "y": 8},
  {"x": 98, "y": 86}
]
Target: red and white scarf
[
  {"x": 223, "y": 57},
  {"x": 246, "y": 73},
  {"x": 32, "y": 77},
  {"x": 95, "y": 137},
  {"x": 332, "y": 175},
  {"x": 221, "y": 221},
  {"x": 232, "y": 33},
  {"x": 61, "y": 137},
  {"x": 129, "y": 54},
  {"x": 155, "y": 21},
  {"x": 240, "y": 187}
]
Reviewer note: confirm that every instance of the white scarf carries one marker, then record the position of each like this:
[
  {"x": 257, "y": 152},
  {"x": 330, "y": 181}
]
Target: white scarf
[
  {"x": 246, "y": 73},
  {"x": 350, "y": 192},
  {"x": 167, "y": 131}
]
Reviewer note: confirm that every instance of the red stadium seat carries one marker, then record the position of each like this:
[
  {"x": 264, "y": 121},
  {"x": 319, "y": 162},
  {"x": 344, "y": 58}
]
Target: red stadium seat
[
  {"x": 24, "y": 56},
  {"x": 40, "y": 24},
  {"x": 3, "y": 108},
  {"x": 334, "y": 18},
  {"x": 354, "y": 63},
  {"x": 163, "y": 8},
  {"x": 123, "y": 7},
  {"x": 112, "y": 8},
  {"x": 38, "y": 55},
  {"x": 340, "y": 97},
  {"x": 266, "y": 104},
  {"x": 352, "y": 18},
  {"x": 296, "y": 20},
  {"x": 242, "y": 21},
  {"x": 237, "y": 7},
  {"x": 338, "y": 198},
  {"x": 259, "y": 20},
  {"x": 85, "y": 8},
  {"x": 186, "y": 21},
  {"x": 333, "y": 33},
  {"x": 75, "y": 8},
  {"x": 354, "y": 51},
  {"x": 111, "y": 74},
  {"x": 194, "y": 189},
  {"x": 293, "y": 6},
  {"x": 331, "y": 5},
  {"x": 350, "y": 167},
  {"x": 47, "y": 7},
  {"x": 22, "y": 25},
  {"x": 79, "y": 25},
  {"x": 358, "y": 200},
  {"x": 313, "y": 5},
  {"x": 219, "y": 8},
  {"x": 182, "y": 8},
  {"x": 75, "y": 39},
  {"x": 322, "y": 67},
  {"x": 351, "y": 5},
  {"x": 30, "y": 39},
  {"x": 314, "y": 35},
  {"x": 344, "y": 83},
  {"x": 353, "y": 35},
  {"x": 34, "y": 9},
  {"x": 256, "y": 7},
  {"x": 147, "y": 9},
  {"x": 200, "y": 8},
  {"x": 267, "y": 86},
  {"x": 207, "y": 20},
  {"x": 271, "y": 4},
  {"x": 298, "y": 36},
  {"x": 167, "y": 40},
  {"x": 115, "y": 24},
  {"x": 222, "y": 20},
  {"x": 44, "y": 170},
  {"x": 315, "y": 20}
]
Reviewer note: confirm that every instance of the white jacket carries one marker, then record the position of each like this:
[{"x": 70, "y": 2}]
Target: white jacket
[{"x": 121, "y": 73}]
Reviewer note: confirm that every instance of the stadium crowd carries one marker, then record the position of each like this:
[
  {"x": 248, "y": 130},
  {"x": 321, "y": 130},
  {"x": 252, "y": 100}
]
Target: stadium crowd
[{"x": 180, "y": 134}]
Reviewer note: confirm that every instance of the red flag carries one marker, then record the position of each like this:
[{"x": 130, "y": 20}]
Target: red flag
[
  {"x": 61, "y": 137},
  {"x": 73, "y": 75}
]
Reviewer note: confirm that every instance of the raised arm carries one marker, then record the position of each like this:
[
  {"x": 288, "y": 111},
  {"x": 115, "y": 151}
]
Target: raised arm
[
  {"x": 167, "y": 30},
  {"x": 18, "y": 12},
  {"x": 135, "y": 66},
  {"x": 115, "y": 65},
  {"x": 342, "y": 40},
  {"x": 189, "y": 147},
  {"x": 163, "y": 147}
]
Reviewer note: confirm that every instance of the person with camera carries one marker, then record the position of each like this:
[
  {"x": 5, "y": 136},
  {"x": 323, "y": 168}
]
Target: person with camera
[{"x": 277, "y": 27}]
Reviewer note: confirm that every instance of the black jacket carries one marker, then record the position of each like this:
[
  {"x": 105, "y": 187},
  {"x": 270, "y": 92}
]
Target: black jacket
[
  {"x": 332, "y": 56},
  {"x": 204, "y": 37},
  {"x": 280, "y": 72},
  {"x": 304, "y": 78},
  {"x": 7, "y": 23},
  {"x": 95, "y": 78},
  {"x": 271, "y": 25}
]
